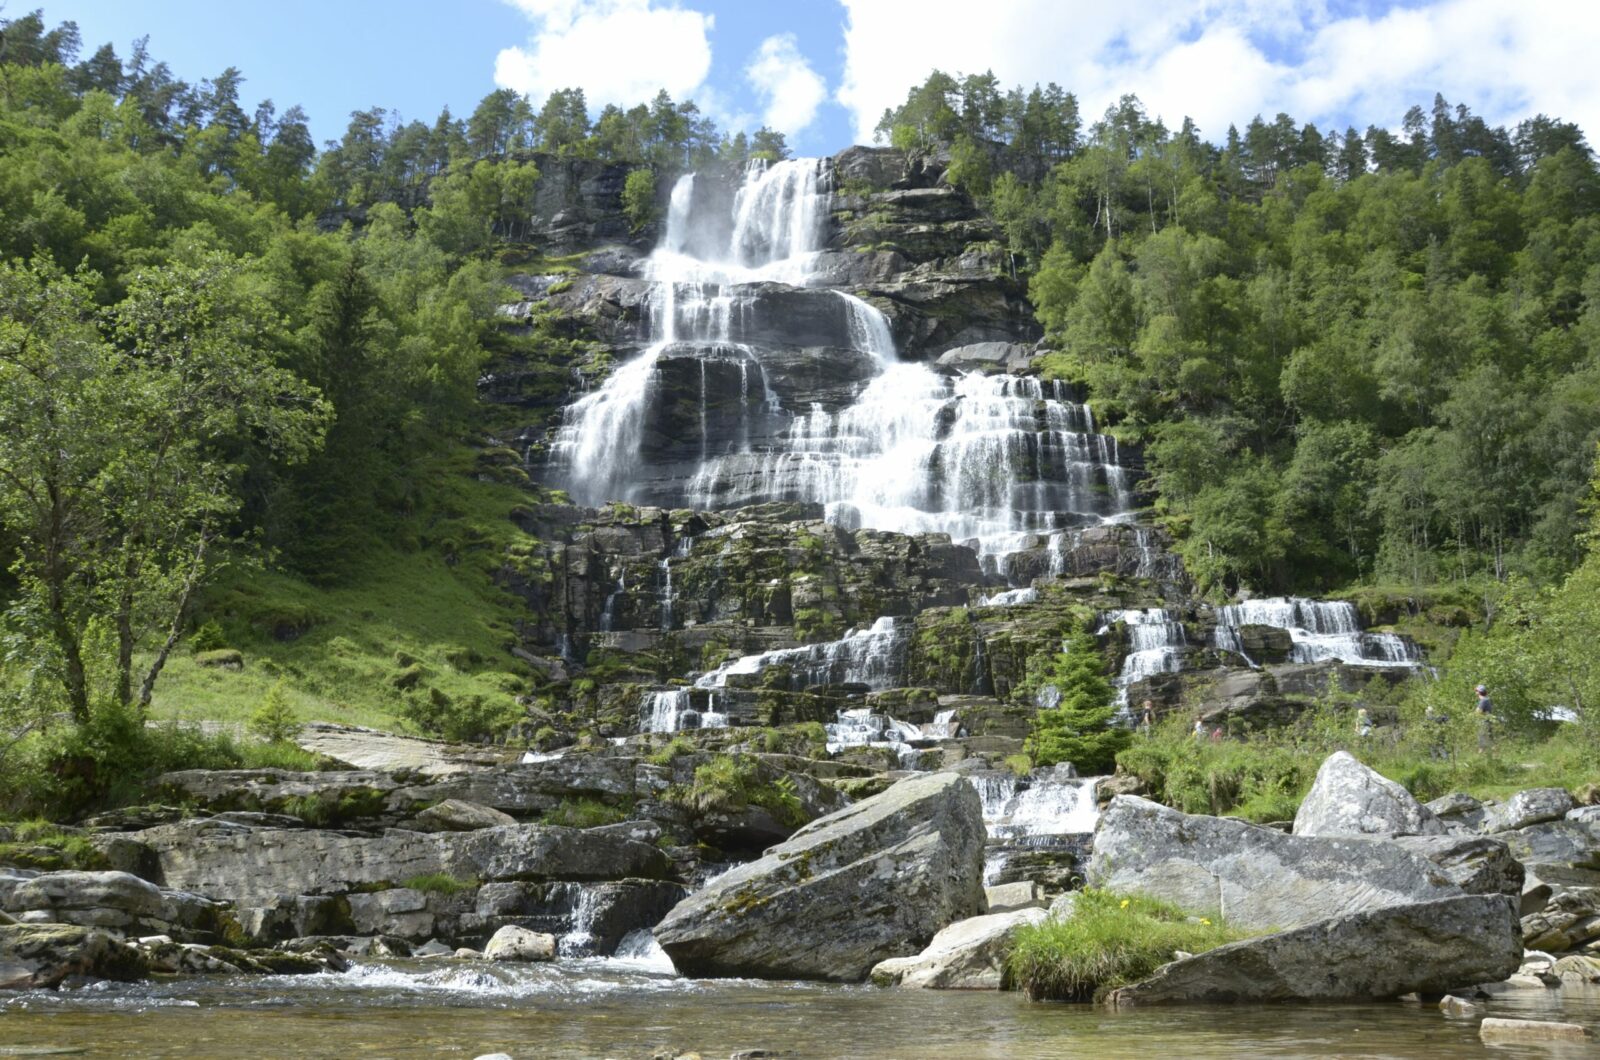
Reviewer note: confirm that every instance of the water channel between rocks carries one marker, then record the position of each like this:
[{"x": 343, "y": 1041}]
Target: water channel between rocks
[{"x": 600, "y": 1008}]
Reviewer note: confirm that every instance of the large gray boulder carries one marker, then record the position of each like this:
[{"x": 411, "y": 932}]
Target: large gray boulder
[
  {"x": 457, "y": 815},
  {"x": 968, "y": 955},
  {"x": 1256, "y": 878},
  {"x": 117, "y": 902},
  {"x": 251, "y": 865},
  {"x": 1476, "y": 864},
  {"x": 1534, "y": 806},
  {"x": 1347, "y": 798},
  {"x": 875, "y": 880},
  {"x": 35, "y": 956},
  {"x": 1428, "y": 947}
]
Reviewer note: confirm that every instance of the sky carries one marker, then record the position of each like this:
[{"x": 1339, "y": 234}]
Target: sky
[{"x": 822, "y": 71}]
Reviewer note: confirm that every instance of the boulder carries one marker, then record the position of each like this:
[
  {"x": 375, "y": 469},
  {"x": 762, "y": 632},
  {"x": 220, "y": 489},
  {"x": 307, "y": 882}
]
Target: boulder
[
  {"x": 1568, "y": 921},
  {"x": 1427, "y": 947},
  {"x": 872, "y": 881},
  {"x": 1574, "y": 844},
  {"x": 1348, "y": 798},
  {"x": 457, "y": 815},
  {"x": 118, "y": 902},
  {"x": 252, "y": 865},
  {"x": 35, "y": 956},
  {"x": 987, "y": 357},
  {"x": 1502, "y": 1030},
  {"x": 1535, "y": 806},
  {"x": 1459, "y": 812},
  {"x": 1007, "y": 897},
  {"x": 1256, "y": 878},
  {"x": 968, "y": 955},
  {"x": 512, "y": 943},
  {"x": 1476, "y": 864}
]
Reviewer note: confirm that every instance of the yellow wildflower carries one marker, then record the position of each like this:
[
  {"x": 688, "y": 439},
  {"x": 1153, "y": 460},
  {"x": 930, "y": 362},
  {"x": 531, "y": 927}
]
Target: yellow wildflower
[
  {"x": 1205, "y": 921},
  {"x": 1124, "y": 903}
]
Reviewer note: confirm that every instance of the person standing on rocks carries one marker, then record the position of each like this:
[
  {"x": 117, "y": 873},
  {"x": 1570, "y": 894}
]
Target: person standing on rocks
[
  {"x": 1199, "y": 729},
  {"x": 1147, "y": 720},
  {"x": 1363, "y": 724},
  {"x": 1485, "y": 712}
]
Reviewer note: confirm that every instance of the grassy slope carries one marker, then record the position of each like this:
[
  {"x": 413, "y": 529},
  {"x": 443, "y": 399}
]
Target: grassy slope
[{"x": 424, "y": 593}]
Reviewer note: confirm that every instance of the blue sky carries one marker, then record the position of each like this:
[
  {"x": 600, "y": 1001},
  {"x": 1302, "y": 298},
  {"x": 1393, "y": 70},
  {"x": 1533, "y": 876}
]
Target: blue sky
[{"x": 823, "y": 70}]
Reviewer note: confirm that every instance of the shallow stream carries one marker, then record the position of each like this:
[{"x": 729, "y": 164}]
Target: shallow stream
[{"x": 628, "y": 1009}]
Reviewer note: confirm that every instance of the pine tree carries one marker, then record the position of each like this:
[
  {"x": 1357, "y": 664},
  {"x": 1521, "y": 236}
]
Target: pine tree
[{"x": 1077, "y": 728}]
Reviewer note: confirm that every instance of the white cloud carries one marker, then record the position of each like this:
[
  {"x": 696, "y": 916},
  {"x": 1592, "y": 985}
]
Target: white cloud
[
  {"x": 1506, "y": 59},
  {"x": 617, "y": 51},
  {"x": 789, "y": 89}
]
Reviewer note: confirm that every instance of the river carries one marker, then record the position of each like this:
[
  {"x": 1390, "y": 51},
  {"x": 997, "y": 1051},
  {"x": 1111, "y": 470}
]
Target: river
[{"x": 628, "y": 1009}]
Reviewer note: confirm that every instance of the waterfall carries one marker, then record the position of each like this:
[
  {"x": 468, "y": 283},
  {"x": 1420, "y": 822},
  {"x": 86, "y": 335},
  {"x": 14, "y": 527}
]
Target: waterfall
[
  {"x": 1048, "y": 808},
  {"x": 1318, "y": 629},
  {"x": 874, "y": 657},
  {"x": 1010, "y": 598},
  {"x": 1156, "y": 642},
  {"x": 608, "y": 613},
  {"x": 986, "y": 459}
]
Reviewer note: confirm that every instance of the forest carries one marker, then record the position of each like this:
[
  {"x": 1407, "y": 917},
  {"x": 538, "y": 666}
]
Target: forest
[{"x": 238, "y": 371}]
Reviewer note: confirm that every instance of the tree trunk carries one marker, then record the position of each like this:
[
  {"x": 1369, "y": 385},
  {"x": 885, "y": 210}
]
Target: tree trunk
[
  {"x": 175, "y": 630},
  {"x": 66, "y": 638}
]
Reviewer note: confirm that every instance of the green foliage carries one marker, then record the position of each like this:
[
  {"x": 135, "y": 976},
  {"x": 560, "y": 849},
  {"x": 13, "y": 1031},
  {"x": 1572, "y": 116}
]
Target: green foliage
[
  {"x": 1108, "y": 941},
  {"x": 274, "y": 720},
  {"x": 671, "y": 751},
  {"x": 731, "y": 783},
  {"x": 41, "y": 845},
  {"x": 75, "y": 769},
  {"x": 639, "y": 197},
  {"x": 207, "y": 637},
  {"x": 1078, "y": 728}
]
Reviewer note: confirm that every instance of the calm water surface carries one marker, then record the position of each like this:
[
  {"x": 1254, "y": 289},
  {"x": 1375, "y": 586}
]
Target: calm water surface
[{"x": 610, "y": 1008}]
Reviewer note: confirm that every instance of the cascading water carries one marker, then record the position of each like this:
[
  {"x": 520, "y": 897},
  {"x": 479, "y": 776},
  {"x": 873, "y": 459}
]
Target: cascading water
[
  {"x": 1318, "y": 629},
  {"x": 1049, "y": 809},
  {"x": 1156, "y": 642},
  {"x": 989, "y": 459}
]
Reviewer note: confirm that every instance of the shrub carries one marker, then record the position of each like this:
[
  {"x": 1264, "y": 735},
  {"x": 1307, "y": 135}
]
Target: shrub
[
  {"x": 1109, "y": 940},
  {"x": 674, "y": 749},
  {"x": 274, "y": 720},
  {"x": 208, "y": 637},
  {"x": 470, "y": 718},
  {"x": 639, "y": 197}
]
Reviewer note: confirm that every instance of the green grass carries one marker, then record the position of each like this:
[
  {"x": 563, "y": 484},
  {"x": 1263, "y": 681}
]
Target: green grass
[
  {"x": 40, "y": 844},
  {"x": 439, "y": 883},
  {"x": 423, "y": 594},
  {"x": 1108, "y": 941},
  {"x": 1263, "y": 776}
]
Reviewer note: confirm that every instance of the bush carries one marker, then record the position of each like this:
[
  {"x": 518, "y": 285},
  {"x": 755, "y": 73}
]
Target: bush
[
  {"x": 106, "y": 762},
  {"x": 639, "y": 197},
  {"x": 1108, "y": 941},
  {"x": 274, "y": 719},
  {"x": 208, "y": 637},
  {"x": 472, "y": 718},
  {"x": 671, "y": 751}
]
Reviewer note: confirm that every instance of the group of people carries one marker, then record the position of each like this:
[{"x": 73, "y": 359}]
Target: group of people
[{"x": 1437, "y": 720}]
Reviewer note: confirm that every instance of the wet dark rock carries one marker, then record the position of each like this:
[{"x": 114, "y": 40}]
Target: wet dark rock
[{"x": 41, "y": 956}]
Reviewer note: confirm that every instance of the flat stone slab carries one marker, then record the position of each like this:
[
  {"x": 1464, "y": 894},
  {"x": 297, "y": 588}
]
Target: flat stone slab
[
  {"x": 361, "y": 748},
  {"x": 1382, "y": 953},
  {"x": 1502, "y": 1030}
]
